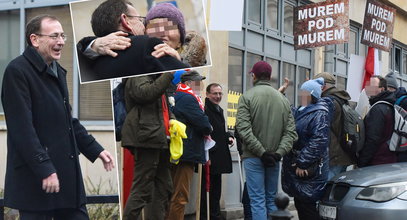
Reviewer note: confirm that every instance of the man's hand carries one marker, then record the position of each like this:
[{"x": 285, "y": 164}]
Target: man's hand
[
  {"x": 163, "y": 49},
  {"x": 284, "y": 86},
  {"x": 231, "y": 141},
  {"x": 114, "y": 41},
  {"x": 268, "y": 159},
  {"x": 51, "y": 184},
  {"x": 276, "y": 156},
  {"x": 107, "y": 160}
]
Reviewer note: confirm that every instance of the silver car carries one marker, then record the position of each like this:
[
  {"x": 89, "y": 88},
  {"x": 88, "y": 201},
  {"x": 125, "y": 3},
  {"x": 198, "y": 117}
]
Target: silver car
[{"x": 370, "y": 193}]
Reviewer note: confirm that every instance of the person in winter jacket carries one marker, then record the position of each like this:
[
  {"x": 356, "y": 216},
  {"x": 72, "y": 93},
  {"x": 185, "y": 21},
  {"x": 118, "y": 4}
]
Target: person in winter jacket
[
  {"x": 189, "y": 110},
  {"x": 338, "y": 158},
  {"x": 401, "y": 100},
  {"x": 145, "y": 133},
  {"x": 379, "y": 124},
  {"x": 266, "y": 127},
  {"x": 305, "y": 168}
]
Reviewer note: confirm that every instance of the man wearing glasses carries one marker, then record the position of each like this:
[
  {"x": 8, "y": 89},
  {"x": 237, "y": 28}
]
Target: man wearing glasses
[
  {"x": 43, "y": 175},
  {"x": 219, "y": 155},
  {"x": 108, "y": 18}
]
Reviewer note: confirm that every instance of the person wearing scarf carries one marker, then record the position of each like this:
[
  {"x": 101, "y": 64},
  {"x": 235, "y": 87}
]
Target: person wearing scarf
[{"x": 188, "y": 109}]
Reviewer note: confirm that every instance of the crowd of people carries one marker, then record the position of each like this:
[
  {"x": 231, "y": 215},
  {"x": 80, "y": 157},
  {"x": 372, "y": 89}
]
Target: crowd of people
[{"x": 309, "y": 141}]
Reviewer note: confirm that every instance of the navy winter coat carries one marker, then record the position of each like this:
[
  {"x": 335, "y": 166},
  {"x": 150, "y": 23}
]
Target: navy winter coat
[
  {"x": 187, "y": 111},
  {"x": 312, "y": 126}
]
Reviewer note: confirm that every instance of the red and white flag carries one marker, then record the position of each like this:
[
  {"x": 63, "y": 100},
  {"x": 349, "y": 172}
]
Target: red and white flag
[
  {"x": 371, "y": 65},
  {"x": 372, "y": 68}
]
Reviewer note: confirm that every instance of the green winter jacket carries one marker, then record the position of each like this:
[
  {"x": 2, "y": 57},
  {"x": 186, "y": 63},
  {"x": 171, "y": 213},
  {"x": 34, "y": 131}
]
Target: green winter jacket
[
  {"x": 264, "y": 121},
  {"x": 144, "y": 123},
  {"x": 337, "y": 156}
]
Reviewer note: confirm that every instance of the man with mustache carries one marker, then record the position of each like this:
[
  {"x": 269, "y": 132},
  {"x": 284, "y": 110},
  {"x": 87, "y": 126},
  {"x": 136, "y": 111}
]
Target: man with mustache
[{"x": 43, "y": 175}]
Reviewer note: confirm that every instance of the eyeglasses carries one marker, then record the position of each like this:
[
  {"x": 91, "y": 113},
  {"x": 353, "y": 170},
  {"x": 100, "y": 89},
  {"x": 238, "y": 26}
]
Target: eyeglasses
[
  {"x": 142, "y": 19},
  {"x": 54, "y": 36}
]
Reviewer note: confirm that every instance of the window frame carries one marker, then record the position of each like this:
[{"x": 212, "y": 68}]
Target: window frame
[
  {"x": 268, "y": 33},
  {"x": 22, "y": 6}
]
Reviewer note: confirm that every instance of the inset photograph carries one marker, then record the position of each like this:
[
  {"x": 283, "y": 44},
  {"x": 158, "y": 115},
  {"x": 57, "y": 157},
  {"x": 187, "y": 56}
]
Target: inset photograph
[{"x": 122, "y": 38}]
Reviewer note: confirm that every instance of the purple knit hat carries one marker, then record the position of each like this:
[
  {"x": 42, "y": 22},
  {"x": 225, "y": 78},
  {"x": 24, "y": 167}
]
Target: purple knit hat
[{"x": 168, "y": 10}]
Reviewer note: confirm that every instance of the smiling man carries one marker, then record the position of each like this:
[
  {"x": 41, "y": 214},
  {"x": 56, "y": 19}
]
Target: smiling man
[
  {"x": 221, "y": 161},
  {"x": 43, "y": 175}
]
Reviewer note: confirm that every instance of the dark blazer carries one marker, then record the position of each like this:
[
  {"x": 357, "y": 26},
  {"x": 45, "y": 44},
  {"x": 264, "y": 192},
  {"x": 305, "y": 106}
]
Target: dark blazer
[
  {"x": 135, "y": 60},
  {"x": 187, "y": 111},
  {"x": 221, "y": 161},
  {"x": 42, "y": 136}
]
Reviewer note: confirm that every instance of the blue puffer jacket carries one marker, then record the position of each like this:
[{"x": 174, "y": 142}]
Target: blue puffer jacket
[
  {"x": 312, "y": 126},
  {"x": 187, "y": 111}
]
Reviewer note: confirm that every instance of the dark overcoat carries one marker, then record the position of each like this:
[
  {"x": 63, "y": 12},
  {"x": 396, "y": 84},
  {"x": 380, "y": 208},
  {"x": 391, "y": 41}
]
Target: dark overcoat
[
  {"x": 221, "y": 161},
  {"x": 42, "y": 136},
  {"x": 135, "y": 60}
]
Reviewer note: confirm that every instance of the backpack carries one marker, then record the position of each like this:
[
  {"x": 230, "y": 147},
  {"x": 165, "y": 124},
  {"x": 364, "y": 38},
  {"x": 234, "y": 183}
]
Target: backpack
[
  {"x": 399, "y": 100},
  {"x": 398, "y": 140},
  {"x": 119, "y": 109},
  {"x": 352, "y": 136}
]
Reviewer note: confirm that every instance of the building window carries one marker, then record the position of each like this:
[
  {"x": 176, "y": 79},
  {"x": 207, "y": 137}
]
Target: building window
[
  {"x": 341, "y": 82},
  {"x": 250, "y": 61},
  {"x": 340, "y": 49},
  {"x": 304, "y": 74},
  {"x": 9, "y": 40},
  {"x": 254, "y": 10},
  {"x": 404, "y": 63},
  {"x": 275, "y": 74},
  {"x": 288, "y": 18},
  {"x": 235, "y": 76},
  {"x": 272, "y": 14},
  {"x": 289, "y": 72},
  {"x": 276, "y": 48},
  {"x": 95, "y": 101},
  {"x": 352, "y": 42},
  {"x": 391, "y": 58},
  {"x": 397, "y": 60}
]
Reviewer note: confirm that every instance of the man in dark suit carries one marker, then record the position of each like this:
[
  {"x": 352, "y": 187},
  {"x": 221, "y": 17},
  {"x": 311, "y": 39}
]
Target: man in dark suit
[
  {"x": 219, "y": 155},
  {"x": 43, "y": 175},
  {"x": 135, "y": 60}
]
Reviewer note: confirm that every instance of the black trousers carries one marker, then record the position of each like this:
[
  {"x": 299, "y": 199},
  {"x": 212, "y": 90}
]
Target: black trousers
[
  {"x": 306, "y": 210},
  {"x": 215, "y": 192},
  {"x": 246, "y": 204},
  {"x": 57, "y": 214}
]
